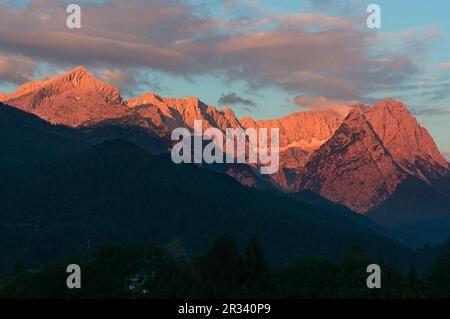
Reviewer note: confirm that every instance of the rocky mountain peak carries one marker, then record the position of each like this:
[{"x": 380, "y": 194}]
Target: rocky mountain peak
[
  {"x": 353, "y": 167},
  {"x": 79, "y": 70},
  {"x": 410, "y": 144},
  {"x": 72, "y": 99},
  {"x": 182, "y": 112},
  {"x": 145, "y": 99}
]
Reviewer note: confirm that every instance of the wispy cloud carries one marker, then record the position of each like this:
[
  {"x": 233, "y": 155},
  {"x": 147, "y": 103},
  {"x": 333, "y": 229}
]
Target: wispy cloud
[
  {"x": 314, "y": 54},
  {"x": 131, "y": 81},
  {"x": 16, "y": 68},
  {"x": 443, "y": 66},
  {"x": 233, "y": 99},
  {"x": 432, "y": 111},
  {"x": 347, "y": 7},
  {"x": 339, "y": 107}
]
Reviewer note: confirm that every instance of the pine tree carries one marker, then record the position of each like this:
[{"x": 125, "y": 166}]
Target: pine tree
[
  {"x": 415, "y": 286},
  {"x": 259, "y": 282},
  {"x": 352, "y": 276},
  {"x": 220, "y": 271},
  {"x": 309, "y": 277},
  {"x": 439, "y": 278}
]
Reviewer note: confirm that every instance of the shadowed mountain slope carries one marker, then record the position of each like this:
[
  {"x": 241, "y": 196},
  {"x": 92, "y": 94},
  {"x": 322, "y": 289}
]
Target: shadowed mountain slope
[{"x": 118, "y": 192}]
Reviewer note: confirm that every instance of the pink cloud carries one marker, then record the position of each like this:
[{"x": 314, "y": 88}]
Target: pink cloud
[
  {"x": 433, "y": 111},
  {"x": 340, "y": 107},
  {"x": 308, "y": 53},
  {"x": 443, "y": 66},
  {"x": 16, "y": 68}
]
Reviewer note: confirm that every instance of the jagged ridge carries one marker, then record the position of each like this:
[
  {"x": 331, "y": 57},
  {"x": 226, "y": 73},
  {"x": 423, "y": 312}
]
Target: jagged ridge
[{"x": 358, "y": 161}]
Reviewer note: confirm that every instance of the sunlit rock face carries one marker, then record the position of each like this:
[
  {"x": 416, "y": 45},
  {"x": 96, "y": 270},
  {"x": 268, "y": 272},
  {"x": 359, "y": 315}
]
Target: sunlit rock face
[
  {"x": 372, "y": 152},
  {"x": 409, "y": 143},
  {"x": 71, "y": 99}
]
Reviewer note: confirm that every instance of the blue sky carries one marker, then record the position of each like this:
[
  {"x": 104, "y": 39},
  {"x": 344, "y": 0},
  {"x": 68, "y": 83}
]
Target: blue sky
[{"x": 264, "y": 58}]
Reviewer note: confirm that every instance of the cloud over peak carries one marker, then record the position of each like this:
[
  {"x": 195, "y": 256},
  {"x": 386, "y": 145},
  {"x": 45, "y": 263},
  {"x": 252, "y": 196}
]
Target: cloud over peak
[
  {"x": 340, "y": 107},
  {"x": 312, "y": 53}
]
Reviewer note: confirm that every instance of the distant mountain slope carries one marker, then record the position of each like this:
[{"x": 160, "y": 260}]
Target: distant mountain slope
[
  {"x": 416, "y": 209},
  {"x": 118, "y": 192},
  {"x": 326, "y": 205},
  {"x": 132, "y": 128},
  {"x": 26, "y": 139},
  {"x": 443, "y": 183},
  {"x": 245, "y": 174}
]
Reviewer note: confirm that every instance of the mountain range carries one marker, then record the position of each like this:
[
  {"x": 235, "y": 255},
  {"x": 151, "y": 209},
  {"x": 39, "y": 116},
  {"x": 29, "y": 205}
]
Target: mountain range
[
  {"x": 63, "y": 192},
  {"x": 377, "y": 161}
]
